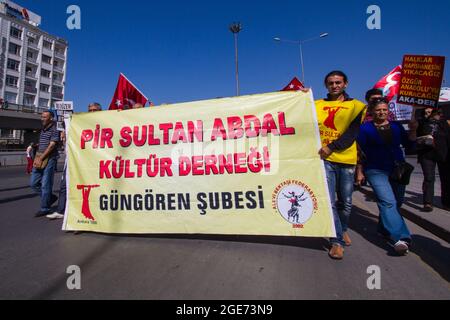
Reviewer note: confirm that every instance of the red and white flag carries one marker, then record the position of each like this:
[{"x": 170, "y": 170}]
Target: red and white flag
[
  {"x": 390, "y": 83},
  {"x": 294, "y": 85},
  {"x": 126, "y": 95}
]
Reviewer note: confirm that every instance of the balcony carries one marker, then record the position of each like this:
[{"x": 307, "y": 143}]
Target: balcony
[
  {"x": 33, "y": 45},
  {"x": 58, "y": 69},
  {"x": 60, "y": 55},
  {"x": 32, "y": 60},
  {"x": 30, "y": 89},
  {"x": 31, "y": 74},
  {"x": 57, "y": 95},
  {"x": 58, "y": 82},
  {"x": 21, "y": 108}
]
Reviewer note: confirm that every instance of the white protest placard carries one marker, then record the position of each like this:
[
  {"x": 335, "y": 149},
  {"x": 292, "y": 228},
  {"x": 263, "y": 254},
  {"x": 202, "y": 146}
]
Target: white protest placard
[{"x": 63, "y": 110}]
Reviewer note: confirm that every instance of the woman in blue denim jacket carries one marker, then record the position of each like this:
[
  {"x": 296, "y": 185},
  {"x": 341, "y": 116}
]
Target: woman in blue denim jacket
[{"x": 380, "y": 141}]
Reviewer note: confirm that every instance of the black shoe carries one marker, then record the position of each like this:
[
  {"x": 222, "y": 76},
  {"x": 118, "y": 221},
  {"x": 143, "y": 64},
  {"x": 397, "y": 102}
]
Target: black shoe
[
  {"x": 428, "y": 208},
  {"x": 41, "y": 214}
]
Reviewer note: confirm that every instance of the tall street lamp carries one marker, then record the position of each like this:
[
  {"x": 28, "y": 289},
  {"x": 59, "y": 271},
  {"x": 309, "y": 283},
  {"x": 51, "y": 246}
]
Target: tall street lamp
[
  {"x": 235, "y": 28},
  {"x": 300, "y": 44}
]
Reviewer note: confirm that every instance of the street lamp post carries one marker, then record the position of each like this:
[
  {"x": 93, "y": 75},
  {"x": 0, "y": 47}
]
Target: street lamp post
[
  {"x": 300, "y": 44},
  {"x": 235, "y": 28}
]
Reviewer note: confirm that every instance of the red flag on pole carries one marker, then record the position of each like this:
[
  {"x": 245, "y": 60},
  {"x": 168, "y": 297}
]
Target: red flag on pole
[
  {"x": 389, "y": 84},
  {"x": 294, "y": 85},
  {"x": 126, "y": 95}
]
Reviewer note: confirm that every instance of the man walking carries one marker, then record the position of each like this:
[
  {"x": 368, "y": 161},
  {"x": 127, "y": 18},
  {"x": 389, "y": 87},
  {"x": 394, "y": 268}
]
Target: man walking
[
  {"x": 59, "y": 214},
  {"x": 339, "y": 118},
  {"x": 44, "y": 163}
]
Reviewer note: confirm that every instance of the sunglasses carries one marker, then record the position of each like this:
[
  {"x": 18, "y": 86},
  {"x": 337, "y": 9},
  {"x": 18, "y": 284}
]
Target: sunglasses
[{"x": 378, "y": 100}]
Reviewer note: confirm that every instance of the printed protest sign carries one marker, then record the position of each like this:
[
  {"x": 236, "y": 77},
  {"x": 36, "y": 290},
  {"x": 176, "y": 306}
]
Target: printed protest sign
[
  {"x": 421, "y": 80},
  {"x": 245, "y": 165}
]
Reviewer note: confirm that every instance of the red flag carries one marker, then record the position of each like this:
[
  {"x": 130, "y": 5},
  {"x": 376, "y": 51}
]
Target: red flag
[
  {"x": 294, "y": 85},
  {"x": 390, "y": 83},
  {"x": 126, "y": 95}
]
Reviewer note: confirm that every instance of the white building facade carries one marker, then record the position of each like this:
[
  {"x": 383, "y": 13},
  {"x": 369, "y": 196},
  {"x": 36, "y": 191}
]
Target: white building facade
[
  {"x": 32, "y": 62},
  {"x": 32, "y": 66}
]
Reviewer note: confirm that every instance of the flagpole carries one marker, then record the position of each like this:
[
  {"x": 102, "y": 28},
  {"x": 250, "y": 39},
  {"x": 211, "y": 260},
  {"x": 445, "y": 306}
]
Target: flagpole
[{"x": 235, "y": 28}]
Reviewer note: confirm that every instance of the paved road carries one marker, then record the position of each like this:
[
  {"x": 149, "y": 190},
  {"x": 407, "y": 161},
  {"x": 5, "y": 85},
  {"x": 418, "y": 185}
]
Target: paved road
[{"x": 34, "y": 255}]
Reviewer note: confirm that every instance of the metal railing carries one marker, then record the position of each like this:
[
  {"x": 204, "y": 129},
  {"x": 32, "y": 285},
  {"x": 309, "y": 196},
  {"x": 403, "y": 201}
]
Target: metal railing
[
  {"x": 57, "y": 95},
  {"x": 60, "y": 55},
  {"x": 58, "y": 69},
  {"x": 32, "y": 45},
  {"x": 22, "y": 108},
  {"x": 31, "y": 75},
  {"x": 32, "y": 60}
]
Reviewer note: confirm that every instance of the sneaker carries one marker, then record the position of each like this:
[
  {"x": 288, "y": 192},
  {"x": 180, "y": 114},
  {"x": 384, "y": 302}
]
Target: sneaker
[
  {"x": 428, "y": 208},
  {"x": 347, "y": 240},
  {"x": 336, "y": 252},
  {"x": 401, "y": 247},
  {"x": 55, "y": 216},
  {"x": 41, "y": 214}
]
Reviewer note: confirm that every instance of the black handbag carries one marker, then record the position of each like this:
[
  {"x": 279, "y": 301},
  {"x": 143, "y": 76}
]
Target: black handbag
[
  {"x": 402, "y": 173},
  {"x": 402, "y": 169}
]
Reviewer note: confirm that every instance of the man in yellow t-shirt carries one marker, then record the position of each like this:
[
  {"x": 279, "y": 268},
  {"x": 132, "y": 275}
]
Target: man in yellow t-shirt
[{"x": 339, "y": 118}]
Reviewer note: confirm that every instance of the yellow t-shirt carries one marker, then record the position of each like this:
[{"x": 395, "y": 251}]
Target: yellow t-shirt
[{"x": 334, "y": 118}]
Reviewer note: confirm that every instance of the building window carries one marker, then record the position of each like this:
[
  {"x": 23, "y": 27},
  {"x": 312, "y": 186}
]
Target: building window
[
  {"x": 12, "y": 81},
  {"x": 47, "y": 45},
  {"x": 45, "y": 73},
  {"x": 28, "y": 100},
  {"x": 16, "y": 33},
  {"x": 46, "y": 59},
  {"x": 59, "y": 51},
  {"x": 30, "y": 55},
  {"x": 29, "y": 71},
  {"x": 30, "y": 83},
  {"x": 13, "y": 64},
  {"x": 44, "y": 87},
  {"x": 43, "y": 102},
  {"x": 14, "y": 49},
  {"x": 32, "y": 41},
  {"x": 6, "y": 133},
  {"x": 10, "y": 97},
  {"x": 57, "y": 89}
]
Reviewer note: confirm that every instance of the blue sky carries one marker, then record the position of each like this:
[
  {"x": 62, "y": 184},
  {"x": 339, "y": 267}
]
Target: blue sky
[{"x": 177, "y": 51}]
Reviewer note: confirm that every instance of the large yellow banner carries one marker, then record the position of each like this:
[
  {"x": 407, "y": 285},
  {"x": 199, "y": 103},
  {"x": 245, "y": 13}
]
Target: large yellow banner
[{"x": 246, "y": 165}]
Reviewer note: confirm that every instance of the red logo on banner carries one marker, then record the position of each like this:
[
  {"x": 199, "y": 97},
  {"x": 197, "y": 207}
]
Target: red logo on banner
[{"x": 86, "y": 191}]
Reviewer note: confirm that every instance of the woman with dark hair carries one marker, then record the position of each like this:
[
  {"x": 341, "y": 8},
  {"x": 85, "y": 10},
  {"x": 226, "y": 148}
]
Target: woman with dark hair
[
  {"x": 432, "y": 149},
  {"x": 380, "y": 140}
]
